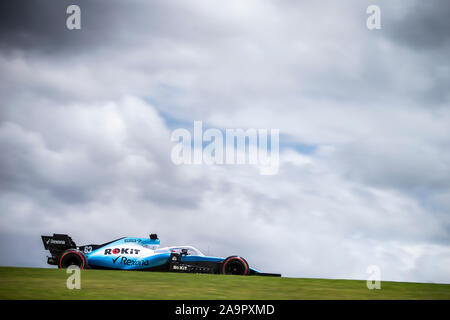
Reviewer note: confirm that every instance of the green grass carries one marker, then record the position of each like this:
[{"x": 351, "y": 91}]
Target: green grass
[{"x": 35, "y": 283}]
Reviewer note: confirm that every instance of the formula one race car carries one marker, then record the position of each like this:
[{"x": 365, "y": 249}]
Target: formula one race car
[{"x": 141, "y": 254}]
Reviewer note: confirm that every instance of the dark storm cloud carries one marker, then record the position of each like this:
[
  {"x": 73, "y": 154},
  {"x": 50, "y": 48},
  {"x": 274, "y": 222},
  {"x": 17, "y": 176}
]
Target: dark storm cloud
[
  {"x": 40, "y": 26},
  {"x": 425, "y": 26},
  {"x": 422, "y": 27}
]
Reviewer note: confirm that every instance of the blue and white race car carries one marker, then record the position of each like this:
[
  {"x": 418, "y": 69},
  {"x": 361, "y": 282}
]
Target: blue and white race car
[{"x": 131, "y": 253}]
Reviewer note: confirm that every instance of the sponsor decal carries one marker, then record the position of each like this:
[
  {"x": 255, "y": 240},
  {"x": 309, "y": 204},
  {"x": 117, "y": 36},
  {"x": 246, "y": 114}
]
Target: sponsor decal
[
  {"x": 132, "y": 240},
  {"x": 130, "y": 262},
  {"x": 180, "y": 267},
  {"x": 122, "y": 251},
  {"x": 56, "y": 241}
]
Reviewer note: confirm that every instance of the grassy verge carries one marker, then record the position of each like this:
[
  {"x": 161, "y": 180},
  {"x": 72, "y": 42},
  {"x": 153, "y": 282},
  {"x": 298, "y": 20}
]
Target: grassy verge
[{"x": 36, "y": 283}]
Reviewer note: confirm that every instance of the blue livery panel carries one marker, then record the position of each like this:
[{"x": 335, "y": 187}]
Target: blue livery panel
[{"x": 128, "y": 254}]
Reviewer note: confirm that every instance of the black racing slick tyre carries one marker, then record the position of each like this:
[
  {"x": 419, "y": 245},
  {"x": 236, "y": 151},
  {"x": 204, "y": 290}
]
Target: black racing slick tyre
[
  {"x": 72, "y": 257},
  {"x": 235, "y": 265}
]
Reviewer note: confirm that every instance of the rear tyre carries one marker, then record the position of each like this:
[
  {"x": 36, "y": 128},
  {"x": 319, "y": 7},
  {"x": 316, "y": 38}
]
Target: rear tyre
[
  {"x": 235, "y": 265},
  {"x": 72, "y": 257}
]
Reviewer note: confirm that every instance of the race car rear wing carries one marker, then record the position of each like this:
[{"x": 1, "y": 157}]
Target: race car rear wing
[{"x": 57, "y": 244}]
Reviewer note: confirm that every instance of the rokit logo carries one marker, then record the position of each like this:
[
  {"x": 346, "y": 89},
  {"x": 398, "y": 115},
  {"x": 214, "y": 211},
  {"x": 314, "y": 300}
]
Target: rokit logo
[
  {"x": 130, "y": 262},
  {"x": 179, "y": 267},
  {"x": 122, "y": 251}
]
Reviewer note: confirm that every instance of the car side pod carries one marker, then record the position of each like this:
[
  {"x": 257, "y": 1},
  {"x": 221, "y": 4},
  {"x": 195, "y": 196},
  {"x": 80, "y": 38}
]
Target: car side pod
[{"x": 177, "y": 265}]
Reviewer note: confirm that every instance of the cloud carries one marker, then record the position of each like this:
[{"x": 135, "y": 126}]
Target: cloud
[
  {"x": 86, "y": 119},
  {"x": 105, "y": 173},
  {"x": 423, "y": 26}
]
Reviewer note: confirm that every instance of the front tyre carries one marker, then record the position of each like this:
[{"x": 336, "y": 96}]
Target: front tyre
[
  {"x": 235, "y": 265},
  {"x": 72, "y": 257}
]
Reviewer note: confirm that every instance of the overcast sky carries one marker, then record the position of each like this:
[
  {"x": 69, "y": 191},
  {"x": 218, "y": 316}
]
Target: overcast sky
[{"x": 364, "y": 116}]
